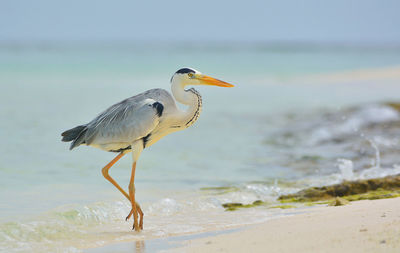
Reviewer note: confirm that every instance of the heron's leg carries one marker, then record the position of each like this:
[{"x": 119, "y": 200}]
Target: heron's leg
[
  {"x": 141, "y": 214},
  {"x": 109, "y": 178},
  {"x": 132, "y": 196}
]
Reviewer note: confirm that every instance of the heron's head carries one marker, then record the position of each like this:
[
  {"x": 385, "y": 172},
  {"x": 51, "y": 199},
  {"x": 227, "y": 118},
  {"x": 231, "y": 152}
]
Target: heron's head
[{"x": 189, "y": 76}]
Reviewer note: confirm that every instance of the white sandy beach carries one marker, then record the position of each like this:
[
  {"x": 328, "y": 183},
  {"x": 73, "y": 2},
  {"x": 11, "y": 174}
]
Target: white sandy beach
[
  {"x": 363, "y": 226},
  {"x": 360, "y": 75}
]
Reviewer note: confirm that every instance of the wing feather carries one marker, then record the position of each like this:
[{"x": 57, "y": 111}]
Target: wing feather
[
  {"x": 125, "y": 122},
  {"x": 121, "y": 124}
]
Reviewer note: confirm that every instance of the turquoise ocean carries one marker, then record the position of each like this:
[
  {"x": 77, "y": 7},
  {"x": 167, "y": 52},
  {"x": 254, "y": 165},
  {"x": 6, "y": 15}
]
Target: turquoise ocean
[{"x": 298, "y": 116}]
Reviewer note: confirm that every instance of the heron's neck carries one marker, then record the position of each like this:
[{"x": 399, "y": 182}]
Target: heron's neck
[{"x": 189, "y": 97}]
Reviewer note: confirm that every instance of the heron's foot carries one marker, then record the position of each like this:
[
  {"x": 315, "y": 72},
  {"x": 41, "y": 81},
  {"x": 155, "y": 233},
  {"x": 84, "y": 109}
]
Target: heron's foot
[
  {"x": 136, "y": 228},
  {"x": 135, "y": 221},
  {"x": 140, "y": 226},
  {"x": 129, "y": 215}
]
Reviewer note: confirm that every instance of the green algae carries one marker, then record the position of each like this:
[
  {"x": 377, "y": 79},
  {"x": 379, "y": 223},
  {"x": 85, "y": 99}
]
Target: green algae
[
  {"x": 235, "y": 206},
  {"x": 339, "y": 194},
  {"x": 283, "y": 206},
  {"x": 346, "y": 188},
  {"x": 378, "y": 194},
  {"x": 258, "y": 202},
  {"x": 288, "y": 200},
  {"x": 334, "y": 195},
  {"x": 394, "y": 105},
  {"x": 232, "y": 206},
  {"x": 338, "y": 201}
]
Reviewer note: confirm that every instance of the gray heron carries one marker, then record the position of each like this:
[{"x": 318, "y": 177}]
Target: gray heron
[{"x": 140, "y": 121}]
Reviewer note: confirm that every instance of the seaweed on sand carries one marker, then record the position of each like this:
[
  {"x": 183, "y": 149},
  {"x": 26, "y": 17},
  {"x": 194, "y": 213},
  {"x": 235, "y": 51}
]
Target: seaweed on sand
[
  {"x": 235, "y": 206},
  {"x": 376, "y": 188},
  {"x": 335, "y": 195}
]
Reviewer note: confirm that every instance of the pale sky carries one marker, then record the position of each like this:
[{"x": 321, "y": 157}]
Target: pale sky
[{"x": 353, "y": 21}]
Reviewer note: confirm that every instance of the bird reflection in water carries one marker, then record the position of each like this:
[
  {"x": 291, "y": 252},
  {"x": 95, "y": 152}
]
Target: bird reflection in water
[{"x": 140, "y": 247}]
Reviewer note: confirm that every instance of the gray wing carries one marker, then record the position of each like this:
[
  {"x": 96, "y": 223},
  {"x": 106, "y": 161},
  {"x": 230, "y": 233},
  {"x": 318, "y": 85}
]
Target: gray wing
[{"x": 124, "y": 122}]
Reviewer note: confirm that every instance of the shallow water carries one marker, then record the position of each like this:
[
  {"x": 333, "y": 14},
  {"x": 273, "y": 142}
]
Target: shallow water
[{"x": 276, "y": 132}]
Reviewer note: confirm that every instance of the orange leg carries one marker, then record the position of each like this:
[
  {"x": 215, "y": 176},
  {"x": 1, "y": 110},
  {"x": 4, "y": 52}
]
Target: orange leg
[
  {"x": 132, "y": 196},
  {"x": 141, "y": 214},
  {"x": 109, "y": 178}
]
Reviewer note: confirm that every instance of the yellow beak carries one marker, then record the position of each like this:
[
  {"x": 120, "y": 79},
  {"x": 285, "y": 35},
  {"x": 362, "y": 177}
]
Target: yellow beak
[{"x": 208, "y": 80}]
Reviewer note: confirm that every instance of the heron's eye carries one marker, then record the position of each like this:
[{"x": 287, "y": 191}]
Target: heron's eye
[{"x": 190, "y": 75}]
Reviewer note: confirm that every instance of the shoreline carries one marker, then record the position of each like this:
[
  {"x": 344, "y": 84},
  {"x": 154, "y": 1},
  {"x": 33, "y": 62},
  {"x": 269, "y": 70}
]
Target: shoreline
[{"x": 361, "y": 226}]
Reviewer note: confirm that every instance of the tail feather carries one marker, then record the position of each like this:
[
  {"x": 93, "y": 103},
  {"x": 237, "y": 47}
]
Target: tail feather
[{"x": 75, "y": 135}]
